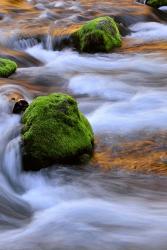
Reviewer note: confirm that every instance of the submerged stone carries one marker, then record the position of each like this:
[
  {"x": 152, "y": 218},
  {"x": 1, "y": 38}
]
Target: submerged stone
[
  {"x": 156, "y": 3},
  {"x": 54, "y": 131},
  {"x": 98, "y": 35},
  {"x": 7, "y": 67}
]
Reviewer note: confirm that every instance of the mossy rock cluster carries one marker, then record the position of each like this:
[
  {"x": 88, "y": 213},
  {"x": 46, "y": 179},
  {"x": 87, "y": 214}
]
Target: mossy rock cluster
[
  {"x": 156, "y": 3},
  {"x": 98, "y": 35},
  {"x": 7, "y": 67},
  {"x": 54, "y": 131}
]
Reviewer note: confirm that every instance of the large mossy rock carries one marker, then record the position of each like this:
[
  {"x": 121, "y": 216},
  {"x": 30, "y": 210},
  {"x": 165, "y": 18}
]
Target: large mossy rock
[
  {"x": 7, "y": 67},
  {"x": 98, "y": 35},
  {"x": 54, "y": 131},
  {"x": 156, "y": 3}
]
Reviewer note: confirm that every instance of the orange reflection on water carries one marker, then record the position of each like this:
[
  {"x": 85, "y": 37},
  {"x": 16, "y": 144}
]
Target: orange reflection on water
[{"x": 143, "y": 155}]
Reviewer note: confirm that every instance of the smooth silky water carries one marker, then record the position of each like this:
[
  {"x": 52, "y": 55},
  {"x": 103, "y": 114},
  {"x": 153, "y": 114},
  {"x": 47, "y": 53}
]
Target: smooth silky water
[{"x": 123, "y": 95}]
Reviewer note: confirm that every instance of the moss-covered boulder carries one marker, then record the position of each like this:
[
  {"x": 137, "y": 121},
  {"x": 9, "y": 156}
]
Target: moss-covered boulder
[
  {"x": 7, "y": 67},
  {"x": 98, "y": 35},
  {"x": 54, "y": 131},
  {"x": 156, "y": 3}
]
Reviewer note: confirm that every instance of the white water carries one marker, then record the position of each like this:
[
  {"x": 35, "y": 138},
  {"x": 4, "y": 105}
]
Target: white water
[
  {"x": 149, "y": 32},
  {"x": 133, "y": 100},
  {"x": 88, "y": 209}
]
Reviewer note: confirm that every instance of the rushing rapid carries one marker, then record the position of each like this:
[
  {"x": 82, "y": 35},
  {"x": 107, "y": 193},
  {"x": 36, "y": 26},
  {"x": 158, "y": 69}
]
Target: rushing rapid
[{"x": 124, "y": 96}]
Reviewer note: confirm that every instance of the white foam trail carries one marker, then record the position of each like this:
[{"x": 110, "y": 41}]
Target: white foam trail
[
  {"x": 101, "y": 220},
  {"x": 145, "y": 32},
  {"x": 102, "y": 86},
  {"x": 133, "y": 87},
  {"x": 163, "y": 8},
  {"x": 44, "y": 55},
  {"x": 9, "y": 130},
  {"x": 22, "y": 44},
  {"x": 143, "y": 111},
  {"x": 68, "y": 61},
  {"x": 78, "y": 210},
  {"x": 12, "y": 160}
]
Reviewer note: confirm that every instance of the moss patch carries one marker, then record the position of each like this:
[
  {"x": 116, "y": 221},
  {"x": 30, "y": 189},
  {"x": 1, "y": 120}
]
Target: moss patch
[
  {"x": 157, "y": 3},
  {"x": 54, "y": 131},
  {"x": 7, "y": 67},
  {"x": 98, "y": 35}
]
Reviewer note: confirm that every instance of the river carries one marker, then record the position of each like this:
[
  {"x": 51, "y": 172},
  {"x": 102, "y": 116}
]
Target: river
[{"x": 119, "y": 200}]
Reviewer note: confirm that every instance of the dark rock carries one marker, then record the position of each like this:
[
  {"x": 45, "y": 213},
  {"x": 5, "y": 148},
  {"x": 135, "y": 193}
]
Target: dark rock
[
  {"x": 156, "y": 3},
  {"x": 20, "y": 106}
]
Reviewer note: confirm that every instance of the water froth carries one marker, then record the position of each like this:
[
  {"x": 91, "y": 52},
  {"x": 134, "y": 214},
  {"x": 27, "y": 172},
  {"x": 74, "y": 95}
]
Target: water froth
[
  {"x": 64, "y": 208},
  {"x": 132, "y": 88}
]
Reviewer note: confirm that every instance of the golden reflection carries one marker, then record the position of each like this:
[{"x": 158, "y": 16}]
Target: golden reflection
[
  {"x": 143, "y": 155},
  {"x": 8, "y": 4}
]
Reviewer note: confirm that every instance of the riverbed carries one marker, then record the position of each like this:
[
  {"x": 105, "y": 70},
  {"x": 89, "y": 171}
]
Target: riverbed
[{"x": 118, "y": 200}]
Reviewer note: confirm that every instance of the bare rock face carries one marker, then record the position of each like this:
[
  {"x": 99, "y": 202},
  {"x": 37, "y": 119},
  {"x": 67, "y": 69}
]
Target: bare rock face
[{"x": 20, "y": 106}]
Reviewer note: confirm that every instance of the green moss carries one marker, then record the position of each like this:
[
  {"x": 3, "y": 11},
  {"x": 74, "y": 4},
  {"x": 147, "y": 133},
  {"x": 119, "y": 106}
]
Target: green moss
[
  {"x": 7, "y": 67},
  {"x": 98, "y": 35},
  {"x": 157, "y": 3},
  {"x": 54, "y": 131}
]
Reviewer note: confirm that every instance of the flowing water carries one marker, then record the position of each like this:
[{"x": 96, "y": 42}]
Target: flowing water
[{"x": 119, "y": 200}]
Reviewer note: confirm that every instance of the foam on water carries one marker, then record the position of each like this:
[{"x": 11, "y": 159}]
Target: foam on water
[
  {"x": 89, "y": 212},
  {"x": 163, "y": 8},
  {"x": 148, "y": 32},
  {"x": 143, "y": 111},
  {"x": 64, "y": 208},
  {"x": 71, "y": 62},
  {"x": 133, "y": 88},
  {"x": 102, "y": 86}
]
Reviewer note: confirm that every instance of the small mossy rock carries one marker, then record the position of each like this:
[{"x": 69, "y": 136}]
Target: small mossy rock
[
  {"x": 156, "y": 3},
  {"x": 54, "y": 131},
  {"x": 98, "y": 35},
  {"x": 7, "y": 67}
]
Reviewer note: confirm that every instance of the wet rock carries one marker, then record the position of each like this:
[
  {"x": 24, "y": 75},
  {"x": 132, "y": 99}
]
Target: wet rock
[
  {"x": 20, "y": 106},
  {"x": 7, "y": 67},
  {"x": 13, "y": 96},
  {"x": 55, "y": 131},
  {"x": 156, "y": 3},
  {"x": 122, "y": 25},
  {"x": 124, "y": 30},
  {"x": 98, "y": 35}
]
